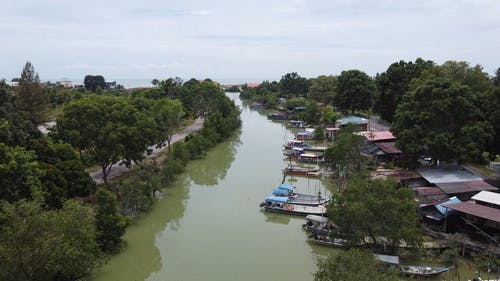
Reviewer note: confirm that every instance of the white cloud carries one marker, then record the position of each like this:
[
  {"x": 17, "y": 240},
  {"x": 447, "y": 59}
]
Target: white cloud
[{"x": 239, "y": 39}]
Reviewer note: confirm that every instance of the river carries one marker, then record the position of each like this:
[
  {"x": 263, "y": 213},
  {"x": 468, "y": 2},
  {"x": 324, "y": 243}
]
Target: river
[{"x": 208, "y": 226}]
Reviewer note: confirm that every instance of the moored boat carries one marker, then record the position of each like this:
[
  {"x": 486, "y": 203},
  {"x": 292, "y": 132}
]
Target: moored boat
[
  {"x": 423, "y": 271},
  {"x": 320, "y": 225},
  {"x": 310, "y": 158},
  {"x": 280, "y": 205},
  {"x": 302, "y": 171},
  {"x": 326, "y": 240},
  {"x": 301, "y": 144},
  {"x": 278, "y": 116},
  {"x": 285, "y": 190}
]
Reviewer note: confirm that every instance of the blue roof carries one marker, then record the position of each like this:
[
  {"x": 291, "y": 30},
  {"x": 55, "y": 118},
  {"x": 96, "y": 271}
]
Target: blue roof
[
  {"x": 275, "y": 199},
  {"x": 352, "y": 119},
  {"x": 444, "y": 211},
  {"x": 286, "y": 187},
  {"x": 280, "y": 192}
]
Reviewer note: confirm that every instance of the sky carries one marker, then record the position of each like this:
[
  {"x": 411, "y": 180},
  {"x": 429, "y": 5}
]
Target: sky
[{"x": 241, "y": 41}]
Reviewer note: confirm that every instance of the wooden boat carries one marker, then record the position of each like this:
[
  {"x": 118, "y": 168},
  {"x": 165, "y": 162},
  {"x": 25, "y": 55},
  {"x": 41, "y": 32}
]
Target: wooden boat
[
  {"x": 319, "y": 225},
  {"x": 278, "y": 204},
  {"x": 301, "y": 144},
  {"x": 302, "y": 171},
  {"x": 310, "y": 158},
  {"x": 278, "y": 116},
  {"x": 285, "y": 190},
  {"x": 423, "y": 271},
  {"x": 294, "y": 153},
  {"x": 325, "y": 240}
]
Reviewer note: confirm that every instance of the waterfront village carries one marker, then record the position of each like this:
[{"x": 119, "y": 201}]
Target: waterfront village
[{"x": 457, "y": 204}]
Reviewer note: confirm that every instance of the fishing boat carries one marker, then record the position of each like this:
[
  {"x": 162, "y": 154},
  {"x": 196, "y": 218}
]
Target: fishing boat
[
  {"x": 285, "y": 190},
  {"x": 310, "y": 158},
  {"x": 326, "y": 240},
  {"x": 301, "y": 171},
  {"x": 279, "y": 204},
  {"x": 320, "y": 225},
  {"x": 423, "y": 271},
  {"x": 294, "y": 153},
  {"x": 278, "y": 116},
  {"x": 301, "y": 144}
]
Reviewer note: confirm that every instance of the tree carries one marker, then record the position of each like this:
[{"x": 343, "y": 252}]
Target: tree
[
  {"x": 312, "y": 113},
  {"x": 31, "y": 100},
  {"x": 344, "y": 156},
  {"x": 168, "y": 115},
  {"x": 352, "y": 265},
  {"x": 329, "y": 116},
  {"x": 20, "y": 173},
  {"x": 440, "y": 119},
  {"x": 110, "y": 224},
  {"x": 40, "y": 245},
  {"x": 293, "y": 85},
  {"x": 93, "y": 82},
  {"x": 377, "y": 209},
  {"x": 496, "y": 78},
  {"x": 64, "y": 176},
  {"x": 355, "y": 91},
  {"x": 394, "y": 83},
  {"x": 107, "y": 129},
  {"x": 323, "y": 89},
  {"x": 155, "y": 82}
]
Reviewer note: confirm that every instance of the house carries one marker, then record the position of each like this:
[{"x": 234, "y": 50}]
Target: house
[
  {"x": 306, "y": 134},
  {"x": 331, "y": 132},
  {"x": 429, "y": 195},
  {"x": 479, "y": 214},
  {"x": 455, "y": 181},
  {"x": 379, "y": 136},
  {"x": 360, "y": 122}
]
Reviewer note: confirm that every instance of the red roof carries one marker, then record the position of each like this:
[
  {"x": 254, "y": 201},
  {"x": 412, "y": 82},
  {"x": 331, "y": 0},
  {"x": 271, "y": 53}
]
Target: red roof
[
  {"x": 379, "y": 136},
  {"x": 477, "y": 210},
  {"x": 253, "y": 85}
]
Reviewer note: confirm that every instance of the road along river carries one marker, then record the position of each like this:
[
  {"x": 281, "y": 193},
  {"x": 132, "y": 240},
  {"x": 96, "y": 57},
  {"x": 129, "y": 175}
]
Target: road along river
[{"x": 208, "y": 226}]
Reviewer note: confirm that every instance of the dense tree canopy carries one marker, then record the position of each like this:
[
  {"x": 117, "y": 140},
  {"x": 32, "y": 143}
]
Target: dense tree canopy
[
  {"x": 394, "y": 83},
  {"x": 107, "y": 129},
  {"x": 323, "y": 89},
  {"x": 352, "y": 265},
  {"x": 376, "y": 209},
  {"x": 93, "y": 82},
  {"x": 440, "y": 119},
  {"x": 20, "y": 173},
  {"x": 293, "y": 85},
  {"x": 168, "y": 115},
  {"x": 110, "y": 224},
  {"x": 355, "y": 91},
  {"x": 41, "y": 245},
  {"x": 344, "y": 156}
]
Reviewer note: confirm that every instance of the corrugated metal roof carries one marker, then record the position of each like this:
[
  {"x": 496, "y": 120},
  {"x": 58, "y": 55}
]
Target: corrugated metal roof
[
  {"x": 488, "y": 197},
  {"x": 477, "y": 210},
  {"x": 428, "y": 191},
  {"x": 444, "y": 210},
  {"x": 379, "y": 136},
  {"x": 464, "y": 187},
  {"x": 388, "y": 147},
  {"x": 352, "y": 119},
  {"x": 447, "y": 174}
]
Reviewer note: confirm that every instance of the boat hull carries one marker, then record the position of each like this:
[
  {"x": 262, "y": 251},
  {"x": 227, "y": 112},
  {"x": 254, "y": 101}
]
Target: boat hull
[{"x": 297, "y": 210}]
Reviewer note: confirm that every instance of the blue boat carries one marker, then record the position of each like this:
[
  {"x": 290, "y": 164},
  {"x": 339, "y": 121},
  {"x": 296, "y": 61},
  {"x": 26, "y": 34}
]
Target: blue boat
[{"x": 285, "y": 190}]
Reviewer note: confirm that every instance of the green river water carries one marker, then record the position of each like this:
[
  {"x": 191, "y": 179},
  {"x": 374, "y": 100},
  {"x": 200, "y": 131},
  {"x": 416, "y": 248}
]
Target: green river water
[{"x": 208, "y": 226}]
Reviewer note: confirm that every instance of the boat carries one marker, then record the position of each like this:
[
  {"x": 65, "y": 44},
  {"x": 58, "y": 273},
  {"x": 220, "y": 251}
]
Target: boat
[
  {"x": 320, "y": 225},
  {"x": 310, "y": 158},
  {"x": 301, "y": 144},
  {"x": 279, "y": 204},
  {"x": 285, "y": 190},
  {"x": 301, "y": 171},
  {"x": 278, "y": 116},
  {"x": 422, "y": 271},
  {"x": 297, "y": 124},
  {"x": 326, "y": 240},
  {"x": 294, "y": 153}
]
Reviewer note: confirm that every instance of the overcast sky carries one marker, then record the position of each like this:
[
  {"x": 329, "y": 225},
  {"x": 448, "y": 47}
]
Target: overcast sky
[{"x": 241, "y": 41}]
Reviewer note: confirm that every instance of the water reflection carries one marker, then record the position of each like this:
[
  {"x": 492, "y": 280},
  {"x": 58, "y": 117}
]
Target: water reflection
[
  {"x": 141, "y": 256},
  {"x": 202, "y": 174},
  {"x": 275, "y": 218}
]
